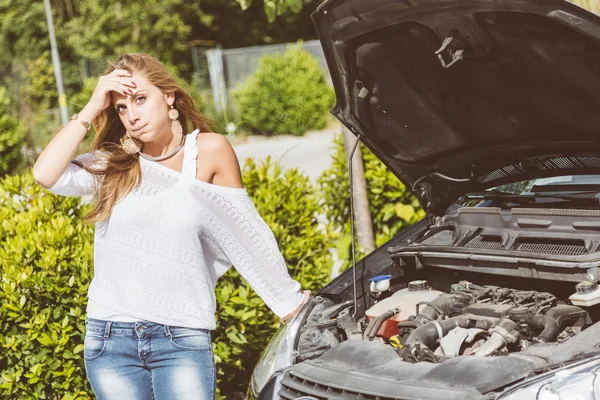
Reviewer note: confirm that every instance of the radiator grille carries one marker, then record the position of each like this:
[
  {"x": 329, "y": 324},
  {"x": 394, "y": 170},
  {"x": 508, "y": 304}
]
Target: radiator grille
[
  {"x": 485, "y": 242},
  {"x": 566, "y": 249},
  {"x": 294, "y": 386}
]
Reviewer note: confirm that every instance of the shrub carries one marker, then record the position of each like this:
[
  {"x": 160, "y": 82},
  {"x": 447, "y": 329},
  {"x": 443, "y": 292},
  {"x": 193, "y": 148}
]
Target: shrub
[
  {"x": 288, "y": 94},
  {"x": 12, "y": 136},
  {"x": 46, "y": 266},
  {"x": 392, "y": 207}
]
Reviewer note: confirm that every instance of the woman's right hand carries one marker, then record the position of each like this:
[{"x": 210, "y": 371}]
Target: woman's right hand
[{"x": 118, "y": 81}]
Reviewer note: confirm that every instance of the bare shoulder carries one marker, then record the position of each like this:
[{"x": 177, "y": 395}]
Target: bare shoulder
[{"x": 215, "y": 151}]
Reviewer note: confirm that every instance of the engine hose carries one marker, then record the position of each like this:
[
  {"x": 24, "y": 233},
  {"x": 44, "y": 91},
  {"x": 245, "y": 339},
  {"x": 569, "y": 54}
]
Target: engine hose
[
  {"x": 377, "y": 322},
  {"x": 448, "y": 304},
  {"x": 548, "y": 325},
  {"x": 429, "y": 333},
  {"x": 506, "y": 331},
  {"x": 554, "y": 320},
  {"x": 564, "y": 313}
]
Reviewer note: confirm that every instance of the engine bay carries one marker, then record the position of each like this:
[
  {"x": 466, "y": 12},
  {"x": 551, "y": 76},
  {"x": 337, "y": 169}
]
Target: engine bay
[
  {"x": 424, "y": 324},
  {"x": 452, "y": 323}
]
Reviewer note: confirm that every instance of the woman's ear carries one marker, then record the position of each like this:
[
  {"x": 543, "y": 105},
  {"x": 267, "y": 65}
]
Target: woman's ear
[{"x": 169, "y": 98}]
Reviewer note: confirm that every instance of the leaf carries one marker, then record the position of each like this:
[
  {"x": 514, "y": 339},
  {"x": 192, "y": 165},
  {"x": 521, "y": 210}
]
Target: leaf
[
  {"x": 244, "y": 4},
  {"x": 270, "y": 10},
  {"x": 404, "y": 211}
]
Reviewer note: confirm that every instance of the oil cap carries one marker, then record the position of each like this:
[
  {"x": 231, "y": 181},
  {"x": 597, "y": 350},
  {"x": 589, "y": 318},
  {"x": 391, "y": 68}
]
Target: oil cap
[
  {"x": 586, "y": 287},
  {"x": 418, "y": 285}
]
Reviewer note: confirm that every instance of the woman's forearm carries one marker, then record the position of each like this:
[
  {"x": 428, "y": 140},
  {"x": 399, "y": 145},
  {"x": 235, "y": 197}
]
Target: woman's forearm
[{"x": 55, "y": 158}]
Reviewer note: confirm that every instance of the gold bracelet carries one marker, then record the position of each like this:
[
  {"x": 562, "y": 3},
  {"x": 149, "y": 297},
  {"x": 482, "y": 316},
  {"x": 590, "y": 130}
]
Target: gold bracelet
[{"x": 85, "y": 124}]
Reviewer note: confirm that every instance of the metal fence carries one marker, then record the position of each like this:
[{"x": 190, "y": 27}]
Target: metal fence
[{"x": 228, "y": 68}]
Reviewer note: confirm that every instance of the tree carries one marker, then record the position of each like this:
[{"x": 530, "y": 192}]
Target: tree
[{"x": 273, "y": 8}]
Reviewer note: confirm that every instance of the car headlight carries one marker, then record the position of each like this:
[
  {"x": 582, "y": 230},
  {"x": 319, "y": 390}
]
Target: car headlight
[
  {"x": 579, "y": 381},
  {"x": 279, "y": 353}
]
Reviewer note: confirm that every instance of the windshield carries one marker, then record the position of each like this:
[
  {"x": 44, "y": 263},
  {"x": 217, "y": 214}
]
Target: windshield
[{"x": 558, "y": 183}]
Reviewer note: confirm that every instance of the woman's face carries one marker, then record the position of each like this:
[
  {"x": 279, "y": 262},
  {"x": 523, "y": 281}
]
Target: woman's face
[{"x": 144, "y": 113}]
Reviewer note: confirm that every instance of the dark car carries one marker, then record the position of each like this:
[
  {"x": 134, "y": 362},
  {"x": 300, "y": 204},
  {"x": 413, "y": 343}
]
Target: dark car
[{"x": 489, "y": 112}]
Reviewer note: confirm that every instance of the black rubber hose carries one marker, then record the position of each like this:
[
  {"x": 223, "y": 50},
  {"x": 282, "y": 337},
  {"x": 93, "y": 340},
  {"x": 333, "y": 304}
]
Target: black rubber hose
[
  {"x": 429, "y": 333},
  {"x": 448, "y": 304},
  {"x": 548, "y": 325},
  {"x": 377, "y": 322},
  {"x": 564, "y": 313},
  {"x": 553, "y": 321},
  {"x": 369, "y": 327}
]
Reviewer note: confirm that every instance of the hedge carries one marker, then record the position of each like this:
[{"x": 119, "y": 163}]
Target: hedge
[
  {"x": 287, "y": 94},
  {"x": 392, "y": 207}
]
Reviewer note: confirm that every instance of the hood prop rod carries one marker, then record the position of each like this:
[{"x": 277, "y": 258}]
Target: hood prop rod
[{"x": 352, "y": 220}]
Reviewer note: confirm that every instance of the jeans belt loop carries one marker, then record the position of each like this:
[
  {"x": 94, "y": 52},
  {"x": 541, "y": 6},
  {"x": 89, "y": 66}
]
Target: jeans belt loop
[
  {"x": 107, "y": 329},
  {"x": 167, "y": 331}
]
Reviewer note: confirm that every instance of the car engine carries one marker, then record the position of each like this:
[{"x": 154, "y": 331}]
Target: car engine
[{"x": 427, "y": 325}]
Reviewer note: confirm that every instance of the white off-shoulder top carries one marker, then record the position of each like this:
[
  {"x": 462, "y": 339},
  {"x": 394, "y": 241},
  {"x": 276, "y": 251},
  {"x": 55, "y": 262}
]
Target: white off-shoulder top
[{"x": 160, "y": 253}]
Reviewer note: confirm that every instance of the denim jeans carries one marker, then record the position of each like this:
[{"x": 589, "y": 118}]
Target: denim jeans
[{"x": 145, "y": 360}]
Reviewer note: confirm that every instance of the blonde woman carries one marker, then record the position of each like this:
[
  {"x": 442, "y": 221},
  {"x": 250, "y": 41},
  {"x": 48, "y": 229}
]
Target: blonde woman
[{"x": 171, "y": 217}]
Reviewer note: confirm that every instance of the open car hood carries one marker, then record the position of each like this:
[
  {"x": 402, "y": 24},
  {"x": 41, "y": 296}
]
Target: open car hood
[{"x": 521, "y": 101}]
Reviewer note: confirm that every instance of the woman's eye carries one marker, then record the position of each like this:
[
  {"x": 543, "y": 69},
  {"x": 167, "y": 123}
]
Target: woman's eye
[{"x": 118, "y": 108}]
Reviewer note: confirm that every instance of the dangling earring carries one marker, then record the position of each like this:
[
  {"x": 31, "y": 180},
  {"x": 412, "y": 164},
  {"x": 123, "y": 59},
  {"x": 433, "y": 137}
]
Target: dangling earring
[
  {"x": 175, "y": 124},
  {"x": 131, "y": 145}
]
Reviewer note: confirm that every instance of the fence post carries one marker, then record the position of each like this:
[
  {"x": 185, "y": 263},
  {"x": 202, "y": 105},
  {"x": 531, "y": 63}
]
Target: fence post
[{"x": 217, "y": 80}]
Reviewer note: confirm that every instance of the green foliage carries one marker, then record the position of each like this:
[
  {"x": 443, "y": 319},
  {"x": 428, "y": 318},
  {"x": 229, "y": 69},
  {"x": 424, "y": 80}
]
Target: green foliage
[
  {"x": 392, "y": 207},
  {"x": 287, "y": 94},
  {"x": 40, "y": 89},
  {"x": 289, "y": 204},
  {"x": 46, "y": 265},
  {"x": 273, "y": 8},
  {"x": 12, "y": 135},
  {"x": 155, "y": 27}
]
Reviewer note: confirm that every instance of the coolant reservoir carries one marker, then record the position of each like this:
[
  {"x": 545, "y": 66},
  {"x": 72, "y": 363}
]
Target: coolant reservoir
[
  {"x": 587, "y": 294},
  {"x": 406, "y": 301}
]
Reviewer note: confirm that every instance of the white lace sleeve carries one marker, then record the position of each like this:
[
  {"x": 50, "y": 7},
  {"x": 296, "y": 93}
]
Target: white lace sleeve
[
  {"x": 76, "y": 181},
  {"x": 249, "y": 244}
]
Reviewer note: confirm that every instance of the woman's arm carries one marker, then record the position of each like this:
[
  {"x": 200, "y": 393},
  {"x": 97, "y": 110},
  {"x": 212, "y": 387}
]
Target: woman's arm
[
  {"x": 56, "y": 157},
  {"x": 239, "y": 230}
]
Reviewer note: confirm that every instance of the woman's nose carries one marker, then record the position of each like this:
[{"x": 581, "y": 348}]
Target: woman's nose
[{"x": 133, "y": 116}]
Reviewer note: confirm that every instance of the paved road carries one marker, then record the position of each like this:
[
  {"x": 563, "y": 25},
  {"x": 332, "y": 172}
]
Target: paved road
[{"x": 311, "y": 153}]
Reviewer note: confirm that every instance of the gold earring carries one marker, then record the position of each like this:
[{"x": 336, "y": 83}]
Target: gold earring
[
  {"x": 175, "y": 124},
  {"x": 131, "y": 145}
]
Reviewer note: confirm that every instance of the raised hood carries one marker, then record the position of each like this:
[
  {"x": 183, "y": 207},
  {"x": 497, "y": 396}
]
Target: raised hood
[{"x": 521, "y": 100}]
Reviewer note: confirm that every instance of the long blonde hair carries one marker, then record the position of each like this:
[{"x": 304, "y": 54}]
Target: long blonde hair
[{"x": 119, "y": 173}]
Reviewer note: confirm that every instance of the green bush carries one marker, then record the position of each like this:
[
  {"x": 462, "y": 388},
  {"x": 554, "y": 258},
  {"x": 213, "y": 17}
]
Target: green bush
[
  {"x": 288, "y": 94},
  {"x": 392, "y": 207},
  {"x": 46, "y": 266},
  {"x": 12, "y": 136},
  {"x": 288, "y": 203}
]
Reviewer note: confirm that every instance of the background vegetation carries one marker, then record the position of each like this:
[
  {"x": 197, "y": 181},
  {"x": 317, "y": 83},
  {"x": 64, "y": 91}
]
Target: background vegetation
[{"x": 288, "y": 94}]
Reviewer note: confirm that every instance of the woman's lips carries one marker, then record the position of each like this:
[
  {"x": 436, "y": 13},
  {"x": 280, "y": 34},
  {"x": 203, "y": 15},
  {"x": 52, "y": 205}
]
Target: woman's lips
[{"x": 140, "y": 129}]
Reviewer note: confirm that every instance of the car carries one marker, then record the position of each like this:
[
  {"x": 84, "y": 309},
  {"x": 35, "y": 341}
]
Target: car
[{"x": 489, "y": 112}]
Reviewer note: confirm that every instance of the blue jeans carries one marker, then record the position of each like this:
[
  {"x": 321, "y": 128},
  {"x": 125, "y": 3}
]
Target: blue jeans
[{"x": 145, "y": 360}]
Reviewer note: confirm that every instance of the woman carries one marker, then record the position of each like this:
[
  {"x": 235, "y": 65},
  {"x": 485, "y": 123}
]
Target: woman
[{"x": 171, "y": 217}]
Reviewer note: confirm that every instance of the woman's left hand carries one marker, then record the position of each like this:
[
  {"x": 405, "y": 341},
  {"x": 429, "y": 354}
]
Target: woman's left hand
[{"x": 307, "y": 296}]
